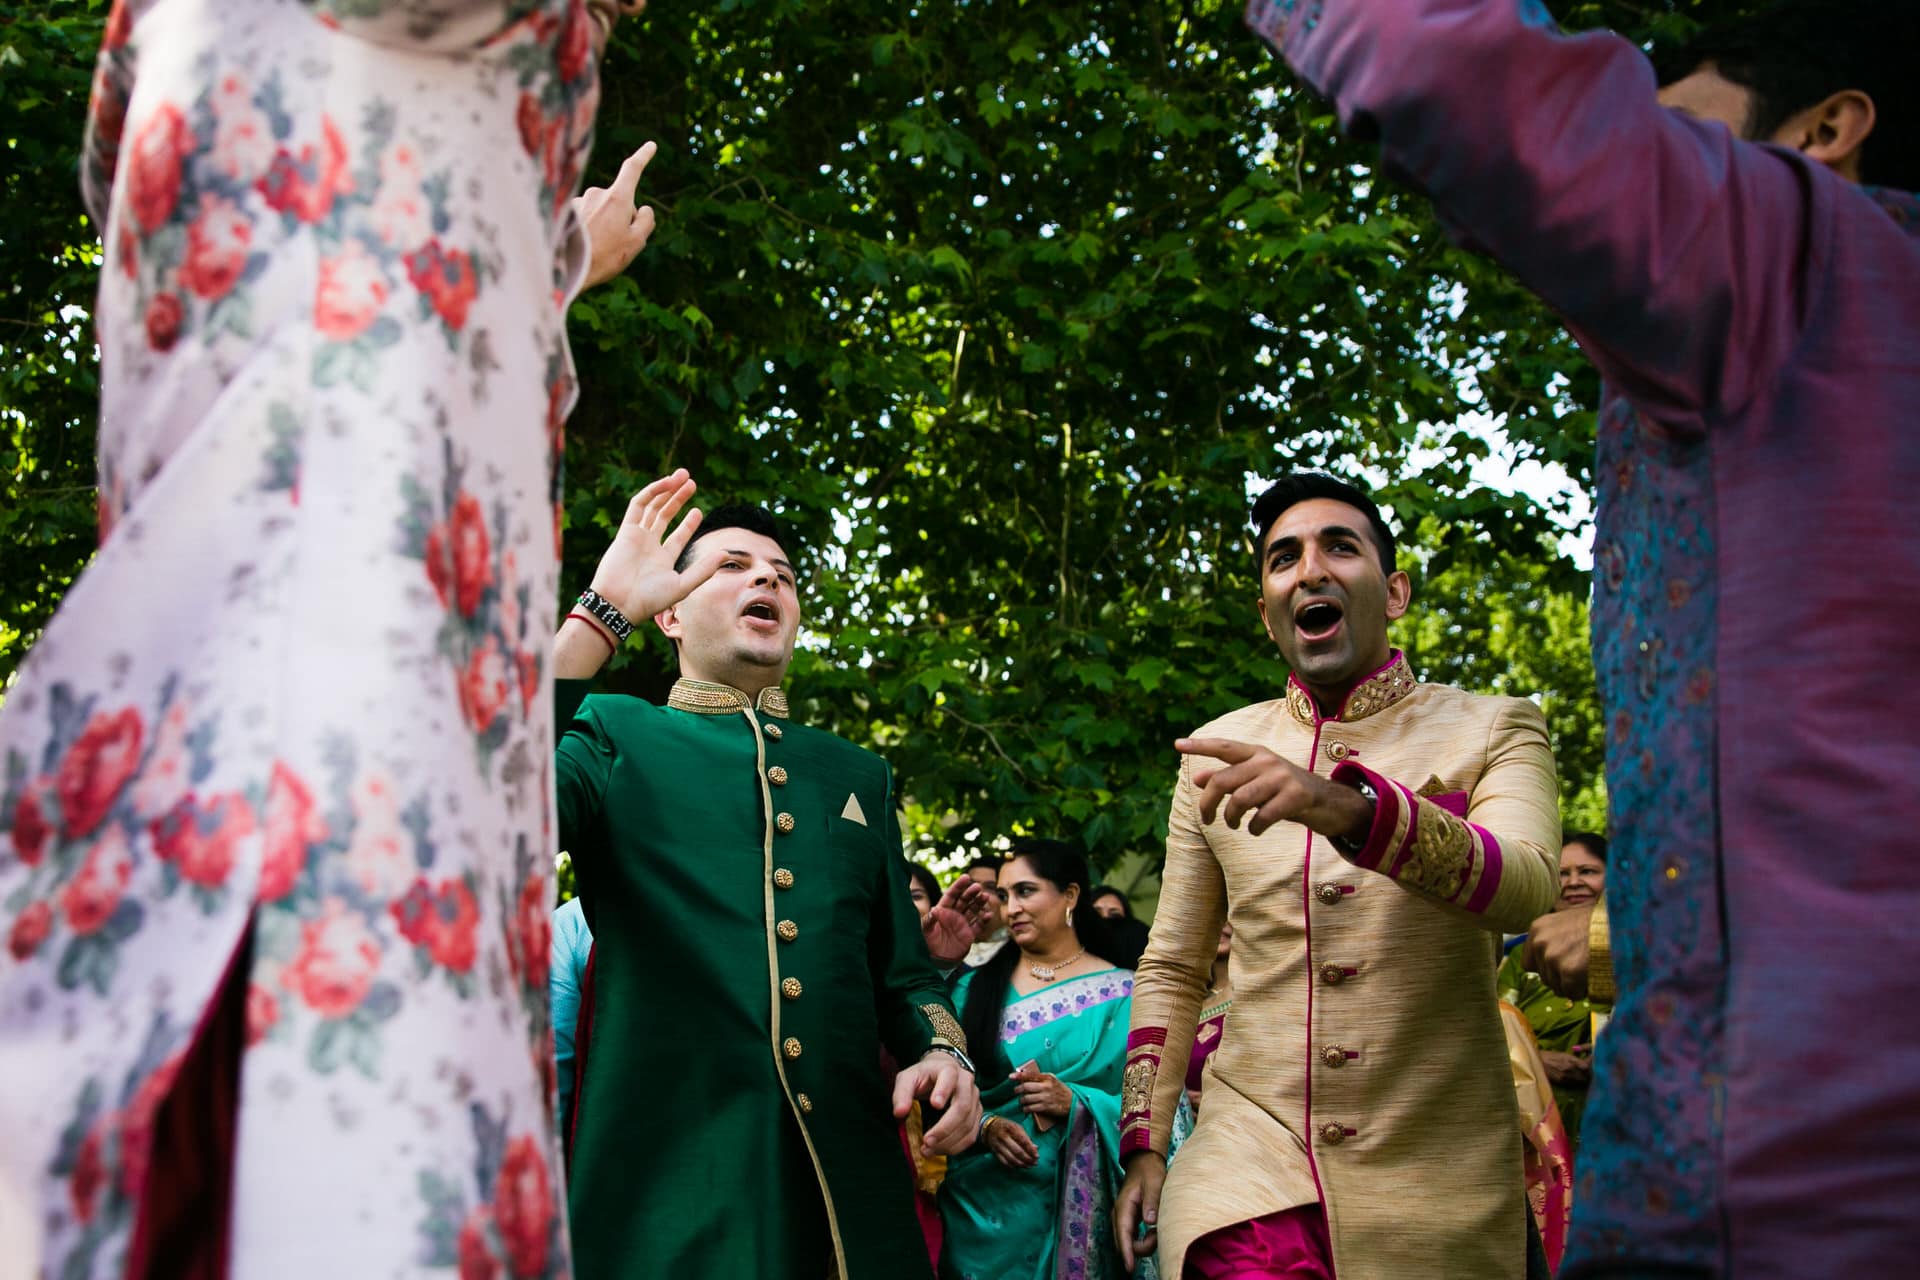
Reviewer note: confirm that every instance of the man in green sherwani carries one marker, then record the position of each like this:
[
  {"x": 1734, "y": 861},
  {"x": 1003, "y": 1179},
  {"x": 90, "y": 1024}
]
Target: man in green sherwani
[{"x": 755, "y": 944}]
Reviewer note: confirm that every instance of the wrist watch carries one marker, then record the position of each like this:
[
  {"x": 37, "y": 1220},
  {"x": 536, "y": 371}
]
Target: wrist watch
[
  {"x": 965, "y": 1062},
  {"x": 1352, "y": 848}
]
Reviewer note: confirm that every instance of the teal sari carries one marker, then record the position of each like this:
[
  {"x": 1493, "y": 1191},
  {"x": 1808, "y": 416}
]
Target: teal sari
[{"x": 1053, "y": 1221}]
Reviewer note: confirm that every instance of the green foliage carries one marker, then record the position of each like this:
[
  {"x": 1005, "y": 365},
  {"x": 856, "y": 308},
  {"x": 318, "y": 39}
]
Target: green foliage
[
  {"x": 49, "y": 384},
  {"x": 1005, "y": 306}
]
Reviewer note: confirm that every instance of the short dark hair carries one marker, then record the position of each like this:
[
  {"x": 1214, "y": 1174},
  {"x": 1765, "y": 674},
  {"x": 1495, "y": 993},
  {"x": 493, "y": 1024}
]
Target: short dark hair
[
  {"x": 1100, "y": 891},
  {"x": 737, "y": 515},
  {"x": 928, "y": 882},
  {"x": 1593, "y": 844},
  {"x": 986, "y": 864},
  {"x": 1304, "y": 486},
  {"x": 1796, "y": 54}
]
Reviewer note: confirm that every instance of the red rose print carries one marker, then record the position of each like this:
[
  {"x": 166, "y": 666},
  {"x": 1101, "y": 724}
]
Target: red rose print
[
  {"x": 119, "y": 26},
  {"x": 164, "y": 317},
  {"x": 576, "y": 45},
  {"x": 472, "y": 553},
  {"x": 523, "y": 1207},
  {"x": 153, "y": 166},
  {"x": 136, "y": 1126},
  {"x": 531, "y": 125},
  {"x": 439, "y": 562},
  {"x": 89, "y": 1174},
  {"x": 287, "y": 187},
  {"x": 445, "y": 921},
  {"x": 291, "y": 827},
  {"x": 529, "y": 665},
  {"x": 263, "y": 1010},
  {"x": 335, "y": 965},
  {"x": 445, "y": 276},
  {"x": 476, "y": 1257},
  {"x": 97, "y": 765},
  {"x": 199, "y": 840},
  {"x": 30, "y": 929},
  {"x": 217, "y": 244},
  {"x": 92, "y": 896},
  {"x": 109, "y": 108},
  {"x": 30, "y": 829},
  {"x": 352, "y": 290},
  {"x": 530, "y": 933},
  {"x": 484, "y": 686}
]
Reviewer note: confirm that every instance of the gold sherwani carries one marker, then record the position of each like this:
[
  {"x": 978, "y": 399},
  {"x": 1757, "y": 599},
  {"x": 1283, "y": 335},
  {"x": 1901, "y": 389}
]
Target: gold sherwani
[{"x": 1364, "y": 1065}]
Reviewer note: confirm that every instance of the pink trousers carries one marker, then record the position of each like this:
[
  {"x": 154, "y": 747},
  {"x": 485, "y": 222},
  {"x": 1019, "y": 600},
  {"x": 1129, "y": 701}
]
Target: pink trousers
[{"x": 1292, "y": 1244}]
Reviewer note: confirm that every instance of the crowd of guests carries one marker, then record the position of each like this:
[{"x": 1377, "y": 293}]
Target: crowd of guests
[{"x": 1044, "y": 998}]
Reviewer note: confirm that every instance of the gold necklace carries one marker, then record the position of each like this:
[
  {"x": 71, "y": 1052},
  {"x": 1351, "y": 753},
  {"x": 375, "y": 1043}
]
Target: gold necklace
[{"x": 1045, "y": 972}]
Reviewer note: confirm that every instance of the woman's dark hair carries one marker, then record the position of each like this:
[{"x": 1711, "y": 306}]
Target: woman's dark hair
[
  {"x": 1798, "y": 53},
  {"x": 928, "y": 882},
  {"x": 1064, "y": 865},
  {"x": 1100, "y": 891},
  {"x": 1593, "y": 844}
]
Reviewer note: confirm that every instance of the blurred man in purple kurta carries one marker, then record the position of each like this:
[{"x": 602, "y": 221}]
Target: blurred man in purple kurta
[{"x": 1737, "y": 254}]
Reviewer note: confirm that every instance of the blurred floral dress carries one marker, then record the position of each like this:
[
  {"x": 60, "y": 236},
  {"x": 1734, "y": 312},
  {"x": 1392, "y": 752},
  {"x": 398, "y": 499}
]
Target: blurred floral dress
[{"x": 296, "y": 715}]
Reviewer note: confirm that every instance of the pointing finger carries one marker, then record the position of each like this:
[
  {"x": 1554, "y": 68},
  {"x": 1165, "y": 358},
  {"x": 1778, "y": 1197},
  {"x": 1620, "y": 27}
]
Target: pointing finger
[
  {"x": 1219, "y": 748},
  {"x": 627, "y": 181}
]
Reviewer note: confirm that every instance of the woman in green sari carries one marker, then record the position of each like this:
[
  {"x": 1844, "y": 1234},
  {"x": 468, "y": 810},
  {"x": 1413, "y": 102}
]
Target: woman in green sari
[{"x": 1047, "y": 1018}]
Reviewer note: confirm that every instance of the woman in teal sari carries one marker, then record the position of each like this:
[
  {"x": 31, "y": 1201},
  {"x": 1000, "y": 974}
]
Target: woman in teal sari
[{"x": 1047, "y": 1018}]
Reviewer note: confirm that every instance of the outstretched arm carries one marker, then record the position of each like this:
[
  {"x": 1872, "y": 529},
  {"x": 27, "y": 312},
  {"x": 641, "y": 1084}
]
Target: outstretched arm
[{"x": 1673, "y": 250}]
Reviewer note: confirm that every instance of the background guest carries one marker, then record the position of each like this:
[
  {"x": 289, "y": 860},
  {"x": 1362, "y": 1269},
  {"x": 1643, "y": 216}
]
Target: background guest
[
  {"x": 1562, "y": 1028},
  {"x": 985, "y": 872},
  {"x": 1110, "y": 902},
  {"x": 1047, "y": 1017},
  {"x": 572, "y": 948}
]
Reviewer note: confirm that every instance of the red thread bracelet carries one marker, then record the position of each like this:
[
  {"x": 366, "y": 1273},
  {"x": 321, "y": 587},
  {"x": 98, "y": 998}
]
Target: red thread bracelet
[{"x": 598, "y": 630}]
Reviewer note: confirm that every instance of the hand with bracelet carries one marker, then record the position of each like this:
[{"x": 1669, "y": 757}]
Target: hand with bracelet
[
  {"x": 943, "y": 1079},
  {"x": 636, "y": 579}
]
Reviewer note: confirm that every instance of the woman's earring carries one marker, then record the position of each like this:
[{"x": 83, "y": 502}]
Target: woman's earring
[{"x": 1069, "y": 917}]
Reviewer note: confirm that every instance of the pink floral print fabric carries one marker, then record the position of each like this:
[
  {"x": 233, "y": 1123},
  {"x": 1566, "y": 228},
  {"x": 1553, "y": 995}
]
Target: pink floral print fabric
[{"x": 304, "y": 683}]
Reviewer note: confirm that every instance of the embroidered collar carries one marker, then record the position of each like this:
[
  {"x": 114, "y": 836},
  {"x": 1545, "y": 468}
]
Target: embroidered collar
[
  {"x": 1370, "y": 697},
  {"x": 704, "y": 698}
]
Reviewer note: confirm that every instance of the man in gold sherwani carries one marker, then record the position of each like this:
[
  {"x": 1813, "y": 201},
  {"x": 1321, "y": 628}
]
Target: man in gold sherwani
[{"x": 1368, "y": 836}]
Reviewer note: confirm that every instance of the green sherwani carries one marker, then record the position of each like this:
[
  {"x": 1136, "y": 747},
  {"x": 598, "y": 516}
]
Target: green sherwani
[{"x": 754, "y": 946}]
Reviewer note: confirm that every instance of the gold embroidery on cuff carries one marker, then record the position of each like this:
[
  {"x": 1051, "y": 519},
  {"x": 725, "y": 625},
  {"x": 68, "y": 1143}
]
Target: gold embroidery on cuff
[
  {"x": 1442, "y": 856},
  {"x": 945, "y": 1026},
  {"x": 1136, "y": 1091}
]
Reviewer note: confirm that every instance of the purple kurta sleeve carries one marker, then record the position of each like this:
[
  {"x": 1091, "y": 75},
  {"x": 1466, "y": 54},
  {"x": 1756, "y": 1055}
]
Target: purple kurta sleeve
[{"x": 1677, "y": 254}]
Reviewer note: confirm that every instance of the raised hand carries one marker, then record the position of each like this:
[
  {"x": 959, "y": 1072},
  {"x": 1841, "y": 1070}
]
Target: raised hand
[
  {"x": 956, "y": 921},
  {"x": 616, "y": 230},
  {"x": 637, "y": 572}
]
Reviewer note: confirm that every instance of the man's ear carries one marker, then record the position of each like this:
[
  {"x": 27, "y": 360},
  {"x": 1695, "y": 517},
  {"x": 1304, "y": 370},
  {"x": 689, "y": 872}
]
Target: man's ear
[
  {"x": 1399, "y": 595},
  {"x": 668, "y": 620},
  {"x": 1834, "y": 132}
]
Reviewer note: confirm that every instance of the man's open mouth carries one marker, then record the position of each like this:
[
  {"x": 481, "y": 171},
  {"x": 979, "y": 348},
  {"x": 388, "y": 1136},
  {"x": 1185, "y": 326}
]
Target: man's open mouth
[
  {"x": 1318, "y": 619},
  {"x": 762, "y": 611}
]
